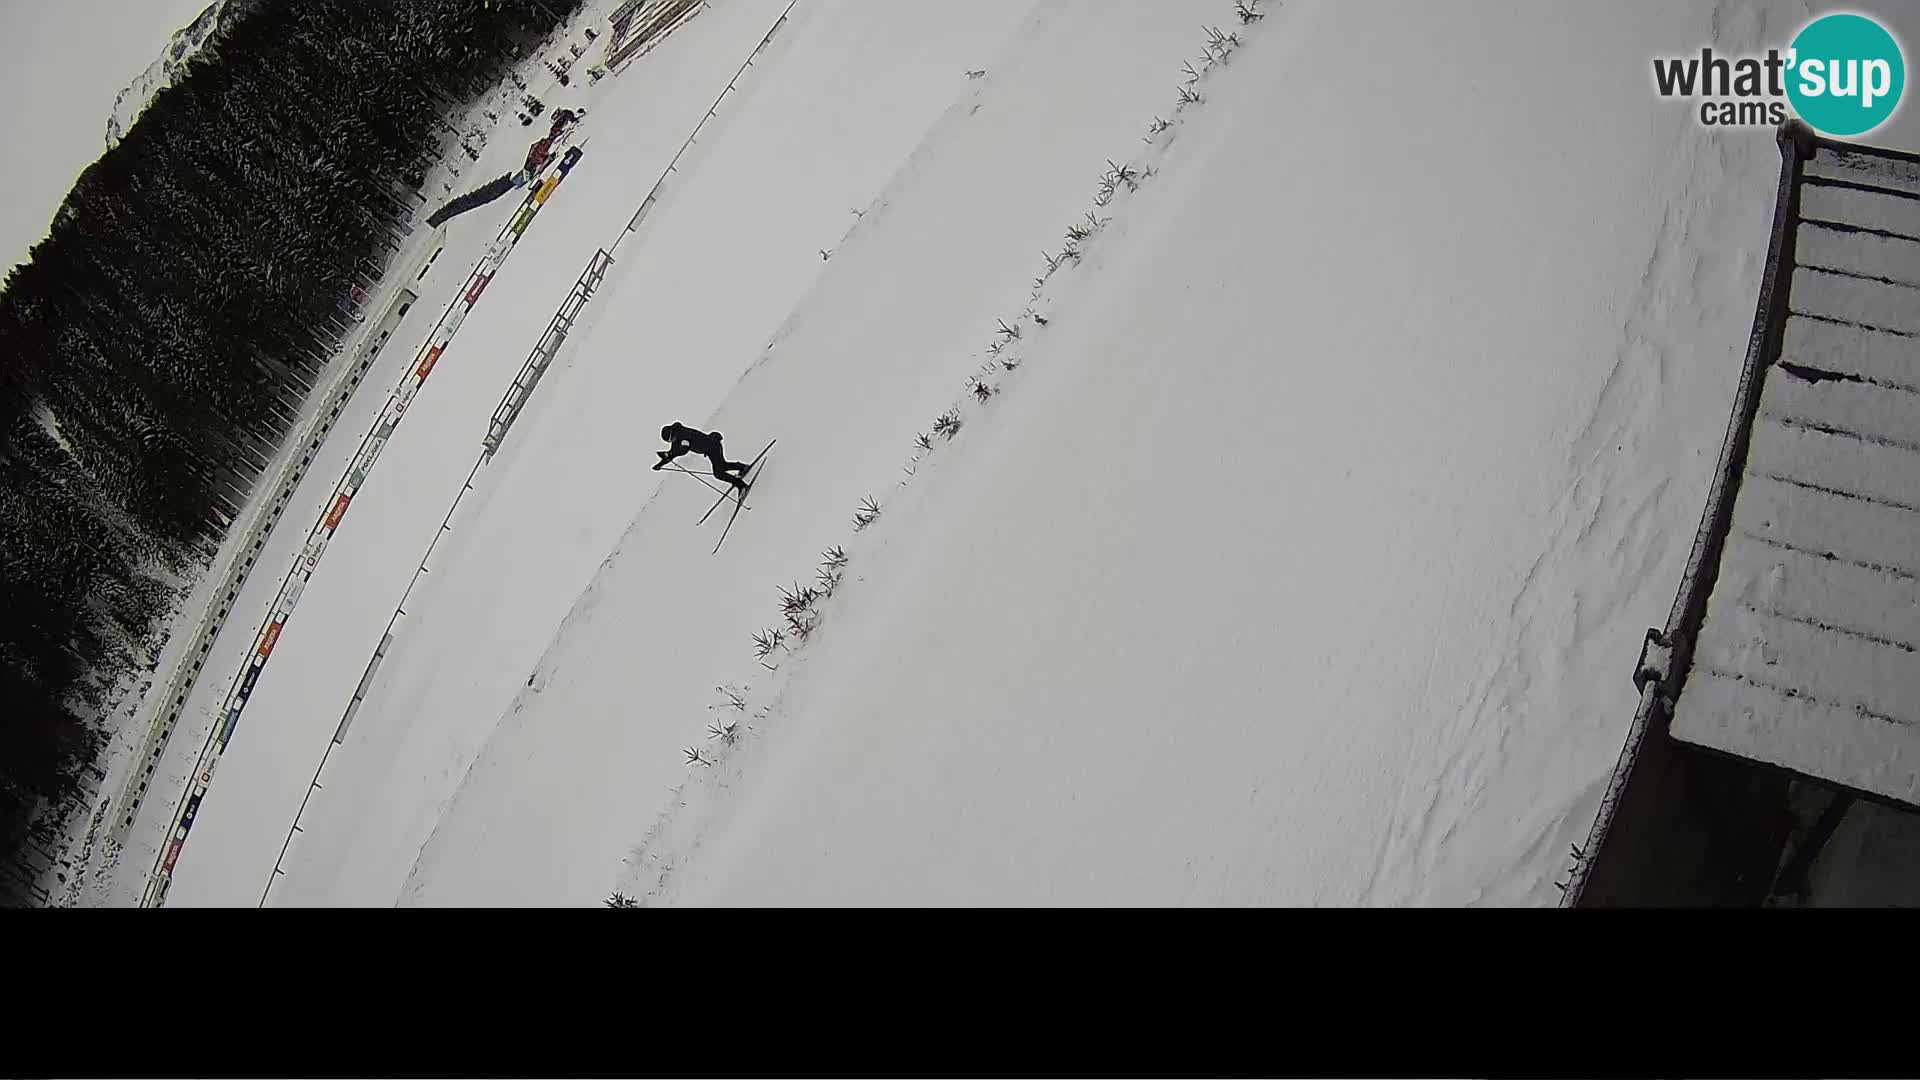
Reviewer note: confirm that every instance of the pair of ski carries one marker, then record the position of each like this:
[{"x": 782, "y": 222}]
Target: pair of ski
[{"x": 738, "y": 495}]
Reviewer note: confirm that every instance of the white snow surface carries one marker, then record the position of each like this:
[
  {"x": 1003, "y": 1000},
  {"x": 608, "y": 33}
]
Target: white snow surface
[
  {"x": 1306, "y": 567},
  {"x": 1302, "y": 560}
]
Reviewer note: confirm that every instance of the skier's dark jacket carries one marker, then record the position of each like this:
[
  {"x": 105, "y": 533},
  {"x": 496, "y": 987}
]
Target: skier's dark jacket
[{"x": 699, "y": 442}]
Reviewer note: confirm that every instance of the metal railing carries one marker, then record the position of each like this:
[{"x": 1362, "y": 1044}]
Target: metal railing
[
  {"x": 1696, "y": 584},
  {"x": 544, "y": 351}
]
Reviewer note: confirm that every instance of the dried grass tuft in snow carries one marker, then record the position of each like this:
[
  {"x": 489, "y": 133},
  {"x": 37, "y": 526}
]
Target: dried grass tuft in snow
[{"x": 766, "y": 641}]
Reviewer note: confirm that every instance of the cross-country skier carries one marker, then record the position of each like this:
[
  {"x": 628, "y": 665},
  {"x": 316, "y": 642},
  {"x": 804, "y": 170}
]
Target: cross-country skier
[{"x": 681, "y": 439}]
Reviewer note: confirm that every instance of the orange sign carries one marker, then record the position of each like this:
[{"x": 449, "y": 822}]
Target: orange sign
[
  {"x": 272, "y": 635},
  {"x": 339, "y": 511},
  {"x": 427, "y": 362}
]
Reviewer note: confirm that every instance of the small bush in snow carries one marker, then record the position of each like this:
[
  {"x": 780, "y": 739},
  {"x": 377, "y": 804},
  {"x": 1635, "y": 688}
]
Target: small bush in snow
[
  {"x": 1248, "y": 11},
  {"x": 1041, "y": 319},
  {"x": 728, "y": 734},
  {"x": 1053, "y": 263},
  {"x": 947, "y": 424},
  {"x": 869, "y": 509},
  {"x": 802, "y": 625},
  {"x": 619, "y": 901},
  {"x": 797, "y": 599},
  {"x": 1007, "y": 333},
  {"x": 1010, "y": 363},
  {"x": 923, "y": 441},
  {"x": 829, "y": 580},
  {"x": 766, "y": 641},
  {"x": 1192, "y": 75},
  {"x": 696, "y": 756},
  {"x": 834, "y": 557},
  {"x": 1117, "y": 175},
  {"x": 1158, "y": 126},
  {"x": 731, "y": 698},
  {"x": 982, "y": 391},
  {"x": 1220, "y": 44},
  {"x": 1188, "y": 97}
]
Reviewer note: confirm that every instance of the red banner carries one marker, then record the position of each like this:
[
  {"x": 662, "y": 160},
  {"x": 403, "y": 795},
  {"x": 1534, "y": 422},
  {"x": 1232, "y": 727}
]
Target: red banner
[
  {"x": 479, "y": 286},
  {"x": 173, "y": 854},
  {"x": 427, "y": 362},
  {"x": 334, "y": 515},
  {"x": 272, "y": 635}
]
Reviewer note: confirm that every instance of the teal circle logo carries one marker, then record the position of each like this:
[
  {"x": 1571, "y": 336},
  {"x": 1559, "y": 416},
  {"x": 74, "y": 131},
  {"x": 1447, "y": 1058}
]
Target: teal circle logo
[{"x": 1847, "y": 75}]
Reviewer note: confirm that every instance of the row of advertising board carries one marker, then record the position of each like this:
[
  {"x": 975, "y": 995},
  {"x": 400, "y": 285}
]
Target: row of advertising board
[{"x": 364, "y": 459}]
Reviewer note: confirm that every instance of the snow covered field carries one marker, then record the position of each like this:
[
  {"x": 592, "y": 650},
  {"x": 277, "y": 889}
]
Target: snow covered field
[
  {"x": 1381, "y": 491},
  {"x": 1302, "y": 558}
]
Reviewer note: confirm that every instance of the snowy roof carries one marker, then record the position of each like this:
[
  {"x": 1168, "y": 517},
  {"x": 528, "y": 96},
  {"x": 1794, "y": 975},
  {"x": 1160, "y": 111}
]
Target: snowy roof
[{"x": 1809, "y": 655}]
